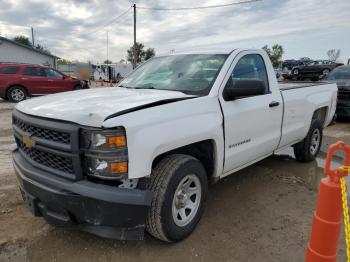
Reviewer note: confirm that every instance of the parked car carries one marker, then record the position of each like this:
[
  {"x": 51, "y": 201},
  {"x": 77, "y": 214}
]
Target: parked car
[
  {"x": 314, "y": 69},
  {"x": 288, "y": 65},
  {"x": 18, "y": 81},
  {"x": 117, "y": 161},
  {"x": 341, "y": 76}
]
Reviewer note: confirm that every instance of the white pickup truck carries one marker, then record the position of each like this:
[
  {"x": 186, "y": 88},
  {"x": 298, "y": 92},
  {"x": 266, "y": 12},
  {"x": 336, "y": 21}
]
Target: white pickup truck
[{"x": 117, "y": 161}]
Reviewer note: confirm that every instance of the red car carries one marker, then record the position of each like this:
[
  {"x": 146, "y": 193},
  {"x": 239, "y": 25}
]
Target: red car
[{"x": 18, "y": 81}]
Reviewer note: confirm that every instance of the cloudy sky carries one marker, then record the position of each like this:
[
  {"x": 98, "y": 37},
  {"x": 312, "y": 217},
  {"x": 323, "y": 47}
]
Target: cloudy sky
[{"x": 76, "y": 30}]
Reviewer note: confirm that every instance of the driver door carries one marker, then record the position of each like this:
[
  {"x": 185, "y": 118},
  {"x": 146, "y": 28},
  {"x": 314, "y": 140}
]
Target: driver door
[
  {"x": 252, "y": 124},
  {"x": 56, "y": 81}
]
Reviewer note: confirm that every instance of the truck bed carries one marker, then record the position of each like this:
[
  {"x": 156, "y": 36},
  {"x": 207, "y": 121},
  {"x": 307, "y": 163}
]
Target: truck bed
[{"x": 287, "y": 85}]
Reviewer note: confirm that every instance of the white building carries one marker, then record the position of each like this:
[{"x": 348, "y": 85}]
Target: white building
[{"x": 11, "y": 51}]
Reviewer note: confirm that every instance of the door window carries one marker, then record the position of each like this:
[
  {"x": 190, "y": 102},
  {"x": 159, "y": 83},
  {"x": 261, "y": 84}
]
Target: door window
[
  {"x": 249, "y": 67},
  {"x": 34, "y": 71},
  {"x": 8, "y": 70},
  {"x": 53, "y": 73}
]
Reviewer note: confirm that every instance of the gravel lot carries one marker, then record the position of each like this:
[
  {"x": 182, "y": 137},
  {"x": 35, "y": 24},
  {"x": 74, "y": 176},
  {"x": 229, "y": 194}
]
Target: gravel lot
[{"x": 262, "y": 213}]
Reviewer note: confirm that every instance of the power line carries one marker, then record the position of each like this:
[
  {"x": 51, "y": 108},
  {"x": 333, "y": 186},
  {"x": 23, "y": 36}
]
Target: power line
[
  {"x": 110, "y": 22},
  {"x": 117, "y": 17},
  {"x": 198, "y": 7}
]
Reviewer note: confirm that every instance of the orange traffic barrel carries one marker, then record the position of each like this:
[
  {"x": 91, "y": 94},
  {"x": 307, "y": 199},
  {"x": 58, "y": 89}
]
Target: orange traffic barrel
[{"x": 326, "y": 223}]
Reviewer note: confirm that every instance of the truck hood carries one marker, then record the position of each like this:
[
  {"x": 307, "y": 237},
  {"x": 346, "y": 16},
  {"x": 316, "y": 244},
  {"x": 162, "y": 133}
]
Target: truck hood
[{"x": 93, "y": 106}]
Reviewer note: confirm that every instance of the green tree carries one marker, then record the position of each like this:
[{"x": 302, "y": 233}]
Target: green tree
[
  {"x": 149, "y": 53},
  {"x": 21, "y": 39},
  {"x": 42, "y": 49},
  {"x": 107, "y": 62},
  {"x": 275, "y": 54},
  {"x": 63, "y": 61},
  {"x": 141, "y": 54}
]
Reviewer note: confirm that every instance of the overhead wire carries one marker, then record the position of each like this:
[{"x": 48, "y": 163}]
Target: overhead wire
[
  {"x": 121, "y": 15},
  {"x": 115, "y": 19},
  {"x": 196, "y": 8}
]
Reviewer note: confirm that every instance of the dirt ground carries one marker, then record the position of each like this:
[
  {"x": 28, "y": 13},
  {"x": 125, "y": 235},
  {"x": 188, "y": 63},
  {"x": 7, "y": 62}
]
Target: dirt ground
[{"x": 262, "y": 213}]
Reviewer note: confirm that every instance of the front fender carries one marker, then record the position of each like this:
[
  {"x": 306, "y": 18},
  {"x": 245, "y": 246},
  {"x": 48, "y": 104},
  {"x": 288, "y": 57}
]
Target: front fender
[{"x": 153, "y": 131}]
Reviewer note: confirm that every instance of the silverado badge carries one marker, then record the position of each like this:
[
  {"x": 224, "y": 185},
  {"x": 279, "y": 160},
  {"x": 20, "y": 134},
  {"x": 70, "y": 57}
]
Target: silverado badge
[{"x": 28, "y": 142}]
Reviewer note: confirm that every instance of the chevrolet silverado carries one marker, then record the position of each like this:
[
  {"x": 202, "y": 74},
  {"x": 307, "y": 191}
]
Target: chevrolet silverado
[{"x": 140, "y": 156}]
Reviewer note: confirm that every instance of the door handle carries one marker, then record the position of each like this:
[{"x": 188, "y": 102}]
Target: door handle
[{"x": 274, "y": 103}]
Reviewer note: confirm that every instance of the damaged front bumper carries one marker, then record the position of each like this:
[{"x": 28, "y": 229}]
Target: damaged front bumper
[{"x": 103, "y": 210}]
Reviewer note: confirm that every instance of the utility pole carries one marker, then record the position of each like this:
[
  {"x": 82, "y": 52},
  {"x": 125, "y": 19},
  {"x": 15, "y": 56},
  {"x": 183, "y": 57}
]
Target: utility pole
[
  {"x": 107, "y": 45},
  {"x": 134, "y": 62},
  {"x": 32, "y": 36}
]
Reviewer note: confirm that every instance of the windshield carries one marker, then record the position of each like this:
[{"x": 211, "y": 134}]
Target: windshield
[
  {"x": 190, "y": 74},
  {"x": 340, "y": 73}
]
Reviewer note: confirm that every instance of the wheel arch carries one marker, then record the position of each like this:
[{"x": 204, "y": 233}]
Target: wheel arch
[
  {"x": 204, "y": 151},
  {"x": 12, "y": 85},
  {"x": 321, "y": 114}
]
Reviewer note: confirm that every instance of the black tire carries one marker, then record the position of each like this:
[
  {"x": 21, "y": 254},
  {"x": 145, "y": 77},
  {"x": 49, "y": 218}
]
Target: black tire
[
  {"x": 295, "y": 72},
  {"x": 16, "y": 94},
  {"x": 305, "y": 150},
  {"x": 164, "y": 182},
  {"x": 326, "y": 71}
]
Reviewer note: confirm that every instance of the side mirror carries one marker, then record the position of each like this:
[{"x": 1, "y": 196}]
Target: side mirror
[{"x": 243, "y": 88}]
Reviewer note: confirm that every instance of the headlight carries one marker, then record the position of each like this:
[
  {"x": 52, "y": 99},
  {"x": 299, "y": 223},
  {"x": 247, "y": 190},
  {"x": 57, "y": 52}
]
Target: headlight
[{"x": 106, "y": 153}]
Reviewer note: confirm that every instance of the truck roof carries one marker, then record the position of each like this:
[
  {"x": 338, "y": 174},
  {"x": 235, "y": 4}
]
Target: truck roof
[
  {"x": 222, "y": 51},
  {"x": 209, "y": 51}
]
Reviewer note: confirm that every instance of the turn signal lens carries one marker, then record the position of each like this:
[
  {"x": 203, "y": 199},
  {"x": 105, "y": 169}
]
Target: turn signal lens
[
  {"x": 118, "y": 168},
  {"x": 118, "y": 141}
]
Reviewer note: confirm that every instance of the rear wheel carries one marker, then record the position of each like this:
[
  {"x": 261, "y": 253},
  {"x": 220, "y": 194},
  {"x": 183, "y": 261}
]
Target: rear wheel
[
  {"x": 16, "y": 94},
  {"x": 179, "y": 184},
  {"x": 295, "y": 72},
  {"x": 307, "y": 149},
  {"x": 326, "y": 71}
]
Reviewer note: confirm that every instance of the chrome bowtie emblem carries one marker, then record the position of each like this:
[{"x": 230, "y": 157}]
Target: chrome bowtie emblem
[{"x": 28, "y": 142}]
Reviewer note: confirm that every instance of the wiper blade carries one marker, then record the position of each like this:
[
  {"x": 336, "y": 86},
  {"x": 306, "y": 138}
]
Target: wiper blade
[
  {"x": 130, "y": 87},
  {"x": 144, "y": 87}
]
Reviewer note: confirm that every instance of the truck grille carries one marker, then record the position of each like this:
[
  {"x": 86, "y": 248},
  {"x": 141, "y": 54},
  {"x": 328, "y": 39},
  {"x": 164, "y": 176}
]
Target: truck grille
[
  {"x": 51, "y": 135},
  {"x": 56, "y": 162},
  {"x": 49, "y": 144}
]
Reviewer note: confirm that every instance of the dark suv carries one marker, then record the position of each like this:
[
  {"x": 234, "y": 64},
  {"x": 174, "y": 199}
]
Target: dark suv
[
  {"x": 315, "y": 69},
  {"x": 18, "y": 81}
]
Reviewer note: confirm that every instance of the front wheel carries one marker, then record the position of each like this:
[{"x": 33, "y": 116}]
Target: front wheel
[
  {"x": 307, "y": 149},
  {"x": 179, "y": 184}
]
